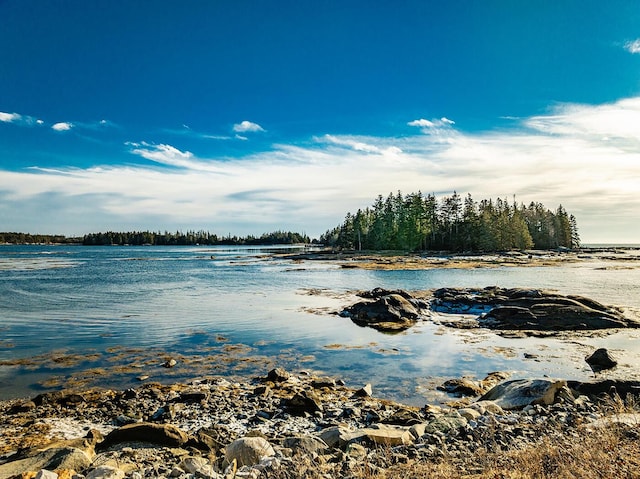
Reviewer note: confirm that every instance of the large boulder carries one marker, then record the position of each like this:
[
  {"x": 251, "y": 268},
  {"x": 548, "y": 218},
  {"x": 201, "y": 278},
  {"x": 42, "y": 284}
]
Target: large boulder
[
  {"x": 392, "y": 312},
  {"x": 248, "y": 451},
  {"x": 519, "y": 393},
  {"x": 159, "y": 434}
]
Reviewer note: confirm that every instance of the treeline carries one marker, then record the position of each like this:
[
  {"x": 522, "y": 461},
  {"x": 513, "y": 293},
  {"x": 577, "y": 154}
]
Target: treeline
[
  {"x": 26, "y": 238},
  {"x": 453, "y": 223},
  {"x": 139, "y": 238}
]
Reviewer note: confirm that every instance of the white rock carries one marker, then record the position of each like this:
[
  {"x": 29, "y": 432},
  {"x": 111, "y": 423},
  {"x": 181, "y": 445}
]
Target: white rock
[{"x": 44, "y": 474}]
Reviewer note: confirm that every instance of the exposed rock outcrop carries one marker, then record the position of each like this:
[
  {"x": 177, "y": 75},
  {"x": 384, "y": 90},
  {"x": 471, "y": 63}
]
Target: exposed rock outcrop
[{"x": 529, "y": 309}]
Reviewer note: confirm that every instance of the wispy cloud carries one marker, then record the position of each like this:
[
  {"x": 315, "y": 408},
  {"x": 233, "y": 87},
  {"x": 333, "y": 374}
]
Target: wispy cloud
[
  {"x": 247, "y": 127},
  {"x": 441, "y": 128},
  {"x": 633, "y": 46},
  {"x": 586, "y": 157},
  {"x": 16, "y": 118}
]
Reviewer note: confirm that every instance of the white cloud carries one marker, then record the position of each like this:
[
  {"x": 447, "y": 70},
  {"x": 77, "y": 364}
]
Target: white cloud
[
  {"x": 9, "y": 117},
  {"x": 246, "y": 127},
  {"x": 583, "y": 156},
  {"x": 441, "y": 128},
  {"x": 62, "y": 126},
  {"x": 633, "y": 46}
]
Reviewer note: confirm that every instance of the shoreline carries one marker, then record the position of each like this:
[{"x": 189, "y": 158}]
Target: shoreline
[{"x": 295, "y": 425}]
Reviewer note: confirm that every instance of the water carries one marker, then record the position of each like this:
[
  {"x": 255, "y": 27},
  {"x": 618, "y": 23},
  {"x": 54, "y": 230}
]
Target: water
[{"x": 107, "y": 315}]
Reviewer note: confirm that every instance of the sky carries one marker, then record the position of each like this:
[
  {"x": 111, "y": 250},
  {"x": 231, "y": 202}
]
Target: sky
[{"x": 245, "y": 117}]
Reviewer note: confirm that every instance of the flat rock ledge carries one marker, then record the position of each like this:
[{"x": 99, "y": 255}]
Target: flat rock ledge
[
  {"x": 282, "y": 425},
  {"x": 501, "y": 309}
]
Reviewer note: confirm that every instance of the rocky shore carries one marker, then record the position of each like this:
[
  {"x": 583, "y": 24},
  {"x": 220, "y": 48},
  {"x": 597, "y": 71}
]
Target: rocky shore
[{"x": 296, "y": 425}]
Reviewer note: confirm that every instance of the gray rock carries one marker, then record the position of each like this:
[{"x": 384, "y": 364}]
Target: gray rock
[
  {"x": 248, "y": 451},
  {"x": 518, "y": 393},
  {"x": 106, "y": 472},
  {"x": 306, "y": 444},
  {"x": 278, "y": 375},
  {"x": 365, "y": 391}
]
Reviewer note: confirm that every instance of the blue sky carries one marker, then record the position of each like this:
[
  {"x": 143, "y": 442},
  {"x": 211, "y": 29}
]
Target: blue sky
[{"x": 247, "y": 116}]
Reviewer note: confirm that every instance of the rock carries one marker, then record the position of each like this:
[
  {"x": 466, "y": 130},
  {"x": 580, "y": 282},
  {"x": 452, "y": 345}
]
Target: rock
[
  {"x": 609, "y": 387},
  {"x": 160, "y": 434},
  {"x": 306, "y": 444},
  {"x": 199, "y": 467},
  {"x": 404, "y": 417},
  {"x": 169, "y": 363},
  {"x": 278, "y": 375},
  {"x": 446, "y": 424},
  {"x": 469, "y": 414},
  {"x": 518, "y": 393},
  {"x": 106, "y": 472},
  {"x": 44, "y": 474},
  {"x": 365, "y": 391},
  {"x": 356, "y": 452},
  {"x": 337, "y": 436},
  {"x": 382, "y": 434},
  {"x": 50, "y": 459},
  {"x": 389, "y": 313},
  {"x": 524, "y": 309},
  {"x": 23, "y": 406},
  {"x": 461, "y": 387},
  {"x": 248, "y": 451},
  {"x": 601, "y": 360},
  {"x": 304, "y": 402}
]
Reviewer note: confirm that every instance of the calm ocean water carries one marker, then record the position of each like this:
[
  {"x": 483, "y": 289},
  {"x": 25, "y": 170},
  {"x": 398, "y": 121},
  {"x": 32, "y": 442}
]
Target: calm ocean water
[{"x": 107, "y": 315}]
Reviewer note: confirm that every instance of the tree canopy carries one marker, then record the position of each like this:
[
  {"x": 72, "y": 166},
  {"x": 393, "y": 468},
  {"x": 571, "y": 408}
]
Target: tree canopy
[{"x": 453, "y": 223}]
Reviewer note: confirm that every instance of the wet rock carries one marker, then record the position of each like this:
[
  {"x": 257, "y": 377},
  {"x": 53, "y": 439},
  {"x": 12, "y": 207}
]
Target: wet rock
[
  {"x": 389, "y": 313},
  {"x": 160, "y": 434},
  {"x": 169, "y": 363},
  {"x": 461, "y": 387},
  {"x": 248, "y": 451},
  {"x": 601, "y": 360},
  {"x": 518, "y": 393},
  {"x": 529, "y": 309}
]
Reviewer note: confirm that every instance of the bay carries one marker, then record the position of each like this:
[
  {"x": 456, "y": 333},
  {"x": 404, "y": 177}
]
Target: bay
[{"x": 73, "y": 315}]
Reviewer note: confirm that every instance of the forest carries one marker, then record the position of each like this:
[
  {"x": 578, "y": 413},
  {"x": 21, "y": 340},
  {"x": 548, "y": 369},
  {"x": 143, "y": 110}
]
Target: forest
[
  {"x": 139, "y": 238},
  {"x": 453, "y": 223}
]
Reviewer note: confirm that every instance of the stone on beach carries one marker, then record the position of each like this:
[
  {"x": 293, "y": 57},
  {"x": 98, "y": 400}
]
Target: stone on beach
[
  {"x": 248, "y": 451},
  {"x": 601, "y": 359},
  {"x": 518, "y": 393}
]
